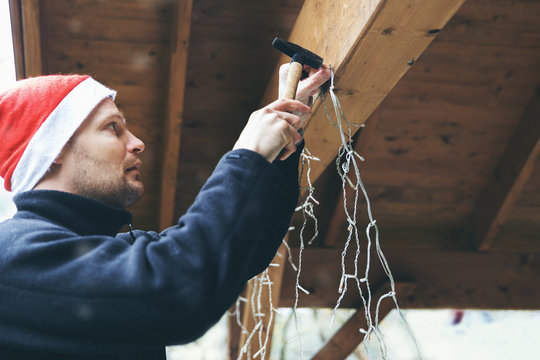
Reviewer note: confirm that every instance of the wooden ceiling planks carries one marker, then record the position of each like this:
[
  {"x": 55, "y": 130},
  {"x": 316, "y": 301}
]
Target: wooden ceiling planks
[
  {"x": 125, "y": 45},
  {"x": 425, "y": 166},
  {"x": 229, "y": 63},
  {"x": 439, "y": 135},
  {"x": 445, "y": 125}
]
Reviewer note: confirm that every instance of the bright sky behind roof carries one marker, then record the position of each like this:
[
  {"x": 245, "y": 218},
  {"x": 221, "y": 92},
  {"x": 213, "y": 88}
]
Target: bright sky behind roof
[{"x": 7, "y": 75}]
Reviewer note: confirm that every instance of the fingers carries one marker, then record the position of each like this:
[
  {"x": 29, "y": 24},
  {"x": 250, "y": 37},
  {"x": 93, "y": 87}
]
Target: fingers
[
  {"x": 290, "y": 148},
  {"x": 291, "y": 111},
  {"x": 289, "y": 105},
  {"x": 310, "y": 85},
  {"x": 290, "y": 118}
]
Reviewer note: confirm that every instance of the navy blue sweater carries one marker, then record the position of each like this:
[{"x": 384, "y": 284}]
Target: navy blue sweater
[{"x": 71, "y": 287}]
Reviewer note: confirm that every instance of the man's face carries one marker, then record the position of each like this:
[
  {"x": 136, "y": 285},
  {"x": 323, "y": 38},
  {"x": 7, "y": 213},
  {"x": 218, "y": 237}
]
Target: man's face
[{"x": 101, "y": 159}]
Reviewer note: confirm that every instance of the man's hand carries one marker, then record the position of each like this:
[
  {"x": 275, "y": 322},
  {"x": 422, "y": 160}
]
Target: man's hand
[
  {"x": 275, "y": 127},
  {"x": 306, "y": 87}
]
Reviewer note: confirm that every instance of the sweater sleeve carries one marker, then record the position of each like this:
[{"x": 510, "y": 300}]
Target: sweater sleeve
[{"x": 160, "y": 289}]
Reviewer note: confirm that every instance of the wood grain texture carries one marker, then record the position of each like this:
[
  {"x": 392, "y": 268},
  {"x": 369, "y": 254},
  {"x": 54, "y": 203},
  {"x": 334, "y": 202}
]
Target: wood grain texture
[
  {"x": 230, "y": 61},
  {"x": 121, "y": 56},
  {"x": 374, "y": 43}
]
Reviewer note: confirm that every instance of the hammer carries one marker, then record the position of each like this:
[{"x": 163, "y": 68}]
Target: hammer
[{"x": 300, "y": 57}]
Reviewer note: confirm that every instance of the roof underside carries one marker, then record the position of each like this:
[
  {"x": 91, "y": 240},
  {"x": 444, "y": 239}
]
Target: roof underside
[
  {"x": 435, "y": 141},
  {"x": 451, "y": 140}
]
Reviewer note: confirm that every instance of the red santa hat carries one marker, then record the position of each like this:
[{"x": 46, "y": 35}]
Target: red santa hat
[{"x": 38, "y": 116}]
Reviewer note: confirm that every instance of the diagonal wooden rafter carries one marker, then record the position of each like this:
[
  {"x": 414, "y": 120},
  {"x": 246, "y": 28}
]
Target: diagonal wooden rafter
[
  {"x": 175, "y": 109},
  {"x": 370, "y": 44},
  {"x": 510, "y": 175},
  {"x": 348, "y": 337}
]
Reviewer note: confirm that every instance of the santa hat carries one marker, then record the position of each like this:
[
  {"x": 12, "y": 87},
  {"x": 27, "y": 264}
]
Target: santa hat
[{"x": 38, "y": 116}]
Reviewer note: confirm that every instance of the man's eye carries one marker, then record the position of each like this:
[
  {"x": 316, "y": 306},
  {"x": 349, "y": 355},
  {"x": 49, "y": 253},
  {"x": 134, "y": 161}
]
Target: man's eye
[{"x": 113, "y": 126}]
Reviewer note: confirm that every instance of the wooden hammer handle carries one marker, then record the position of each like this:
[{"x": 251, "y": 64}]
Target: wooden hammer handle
[{"x": 295, "y": 72}]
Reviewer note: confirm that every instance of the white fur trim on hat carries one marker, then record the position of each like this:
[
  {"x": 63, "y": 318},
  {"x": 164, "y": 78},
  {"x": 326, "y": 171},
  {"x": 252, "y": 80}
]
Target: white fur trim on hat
[{"x": 55, "y": 132}]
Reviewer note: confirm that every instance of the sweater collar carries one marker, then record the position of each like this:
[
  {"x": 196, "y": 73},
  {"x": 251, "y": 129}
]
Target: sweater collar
[{"x": 80, "y": 214}]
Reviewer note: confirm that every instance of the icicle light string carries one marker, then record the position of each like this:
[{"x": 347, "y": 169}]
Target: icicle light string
[
  {"x": 307, "y": 208},
  {"x": 347, "y": 157},
  {"x": 258, "y": 332}
]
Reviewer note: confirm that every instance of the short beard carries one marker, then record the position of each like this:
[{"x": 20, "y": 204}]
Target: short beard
[
  {"x": 85, "y": 183},
  {"x": 117, "y": 195}
]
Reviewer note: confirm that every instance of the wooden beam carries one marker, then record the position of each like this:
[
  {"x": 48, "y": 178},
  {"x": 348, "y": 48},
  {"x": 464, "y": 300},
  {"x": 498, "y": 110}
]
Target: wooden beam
[
  {"x": 370, "y": 44},
  {"x": 16, "y": 35},
  {"x": 175, "y": 112},
  {"x": 31, "y": 25},
  {"x": 348, "y": 337},
  {"x": 511, "y": 173},
  {"x": 255, "y": 292},
  {"x": 443, "y": 279}
]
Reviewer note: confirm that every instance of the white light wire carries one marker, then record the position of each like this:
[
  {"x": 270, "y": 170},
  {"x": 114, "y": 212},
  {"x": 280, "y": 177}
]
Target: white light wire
[{"x": 346, "y": 157}]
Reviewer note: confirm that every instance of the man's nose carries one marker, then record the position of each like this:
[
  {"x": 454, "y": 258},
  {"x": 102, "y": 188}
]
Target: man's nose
[{"x": 135, "y": 145}]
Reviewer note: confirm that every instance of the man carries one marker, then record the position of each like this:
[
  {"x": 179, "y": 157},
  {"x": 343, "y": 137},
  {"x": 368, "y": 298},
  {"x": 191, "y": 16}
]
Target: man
[{"x": 71, "y": 287}]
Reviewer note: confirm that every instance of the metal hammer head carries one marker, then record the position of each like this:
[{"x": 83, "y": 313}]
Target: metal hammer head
[{"x": 298, "y": 53}]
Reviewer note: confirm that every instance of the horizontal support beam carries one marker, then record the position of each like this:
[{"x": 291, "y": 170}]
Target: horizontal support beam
[{"x": 443, "y": 279}]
